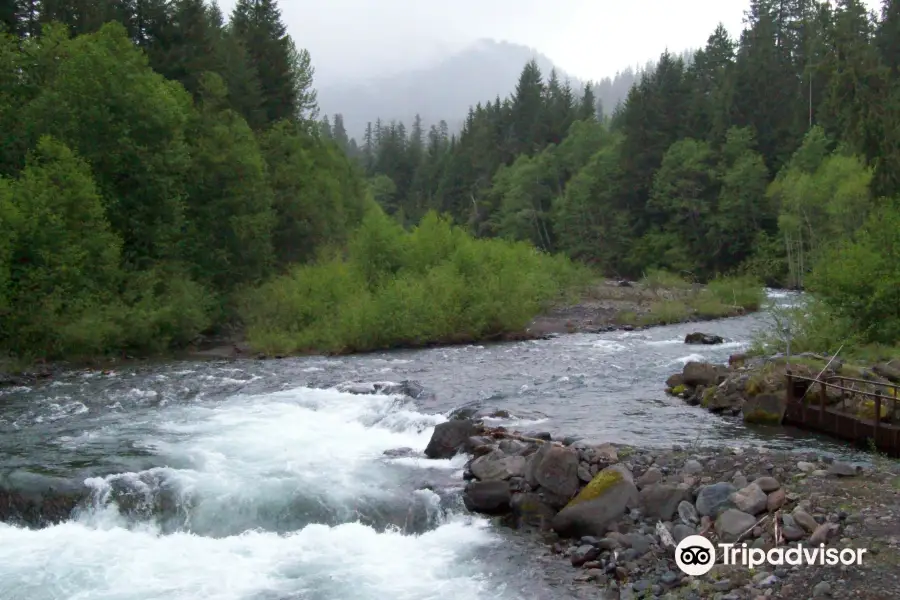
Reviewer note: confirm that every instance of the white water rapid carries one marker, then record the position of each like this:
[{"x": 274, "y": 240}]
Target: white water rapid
[{"x": 246, "y": 461}]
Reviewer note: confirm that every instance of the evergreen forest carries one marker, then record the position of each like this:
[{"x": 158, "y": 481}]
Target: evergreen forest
[{"x": 165, "y": 173}]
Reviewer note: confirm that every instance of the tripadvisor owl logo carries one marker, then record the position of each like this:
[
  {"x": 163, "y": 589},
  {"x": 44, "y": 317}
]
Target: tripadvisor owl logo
[{"x": 695, "y": 555}]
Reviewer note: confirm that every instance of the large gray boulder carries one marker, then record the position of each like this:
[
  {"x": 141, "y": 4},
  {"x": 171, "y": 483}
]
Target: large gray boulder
[
  {"x": 604, "y": 500},
  {"x": 489, "y": 497},
  {"x": 714, "y": 499},
  {"x": 449, "y": 438},
  {"x": 497, "y": 465},
  {"x": 661, "y": 500},
  {"x": 555, "y": 470},
  {"x": 705, "y": 374}
]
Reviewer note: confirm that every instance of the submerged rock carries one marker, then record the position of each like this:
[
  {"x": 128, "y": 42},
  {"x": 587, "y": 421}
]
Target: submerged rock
[
  {"x": 39, "y": 509},
  {"x": 703, "y": 338},
  {"x": 413, "y": 389}
]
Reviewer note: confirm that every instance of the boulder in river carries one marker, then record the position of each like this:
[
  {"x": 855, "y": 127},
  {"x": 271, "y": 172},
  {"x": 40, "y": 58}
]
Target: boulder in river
[
  {"x": 449, "y": 438},
  {"x": 599, "y": 504},
  {"x": 699, "y": 373},
  {"x": 497, "y": 465},
  {"x": 765, "y": 409},
  {"x": 413, "y": 389},
  {"x": 706, "y": 339},
  {"x": 38, "y": 509},
  {"x": 489, "y": 497}
]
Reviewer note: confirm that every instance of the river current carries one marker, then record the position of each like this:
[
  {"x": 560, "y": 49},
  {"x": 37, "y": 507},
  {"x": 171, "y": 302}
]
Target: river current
[{"x": 262, "y": 480}]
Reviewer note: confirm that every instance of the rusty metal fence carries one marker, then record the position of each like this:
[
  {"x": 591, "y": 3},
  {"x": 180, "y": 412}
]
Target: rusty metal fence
[{"x": 815, "y": 404}]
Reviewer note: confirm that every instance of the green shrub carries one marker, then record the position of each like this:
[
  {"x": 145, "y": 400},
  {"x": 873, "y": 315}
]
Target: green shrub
[
  {"x": 657, "y": 279},
  {"x": 396, "y": 288},
  {"x": 746, "y": 292},
  {"x": 667, "y": 312}
]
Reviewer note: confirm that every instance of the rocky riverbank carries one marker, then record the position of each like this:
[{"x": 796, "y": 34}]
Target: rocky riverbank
[
  {"x": 754, "y": 387},
  {"x": 616, "y": 513},
  {"x": 616, "y": 305}
]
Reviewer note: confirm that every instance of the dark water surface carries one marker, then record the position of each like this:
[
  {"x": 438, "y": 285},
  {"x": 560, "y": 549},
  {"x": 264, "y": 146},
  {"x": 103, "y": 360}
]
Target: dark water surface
[{"x": 249, "y": 480}]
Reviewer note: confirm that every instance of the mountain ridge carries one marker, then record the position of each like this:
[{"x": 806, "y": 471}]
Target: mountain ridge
[{"x": 447, "y": 89}]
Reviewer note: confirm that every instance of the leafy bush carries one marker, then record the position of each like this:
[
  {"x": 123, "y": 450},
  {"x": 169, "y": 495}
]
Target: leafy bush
[
  {"x": 746, "y": 292},
  {"x": 392, "y": 288},
  {"x": 658, "y": 279}
]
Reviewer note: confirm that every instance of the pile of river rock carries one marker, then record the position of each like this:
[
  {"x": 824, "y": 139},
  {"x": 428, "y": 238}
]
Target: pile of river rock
[{"x": 617, "y": 512}]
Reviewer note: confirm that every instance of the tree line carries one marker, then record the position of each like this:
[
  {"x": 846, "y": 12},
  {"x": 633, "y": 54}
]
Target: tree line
[
  {"x": 163, "y": 172},
  {"x": 749, "y": 155},
  {"x": 156, "y": 159}
]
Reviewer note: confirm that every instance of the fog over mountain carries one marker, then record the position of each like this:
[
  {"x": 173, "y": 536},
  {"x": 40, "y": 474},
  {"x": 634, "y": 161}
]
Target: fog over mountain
[
  {"x": 395, "y": 59},
  {"x": 443, "y": 90}
]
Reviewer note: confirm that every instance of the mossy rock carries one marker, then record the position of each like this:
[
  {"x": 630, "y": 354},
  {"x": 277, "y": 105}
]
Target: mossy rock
[
  {"x": 602, "y": 482},
  {"x": 854, "y": 371},
  {"x": 764, "y": 409},
  {"x": 709, "y": 394},
  {"x": 762, "y": 417},
  {"x": 678, "y": 390},
  {"x": 754, "y": 386}
]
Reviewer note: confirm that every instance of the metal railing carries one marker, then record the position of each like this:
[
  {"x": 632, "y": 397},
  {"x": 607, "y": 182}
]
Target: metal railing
[{"x": 811, "y": 408}]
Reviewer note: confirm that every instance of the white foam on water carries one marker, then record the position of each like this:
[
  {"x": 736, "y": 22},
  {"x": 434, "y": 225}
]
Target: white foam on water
[
  {"x": 515, "y": 421},
  {"x": 608, "y": 346},
  {"x": 450, "y": 464},
  {"x": 672, "y": 342},
  {"x": 689, "y": 358},
  {"x": 77, "y": 562},
  {"x": 322, "y": 446}
]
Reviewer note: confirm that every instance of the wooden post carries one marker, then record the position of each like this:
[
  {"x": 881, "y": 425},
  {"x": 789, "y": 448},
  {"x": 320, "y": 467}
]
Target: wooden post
[
  {"x": 789, "y": 396},
  {"x": 877, "y": 415},
  {"x": 823, "y": 396}
]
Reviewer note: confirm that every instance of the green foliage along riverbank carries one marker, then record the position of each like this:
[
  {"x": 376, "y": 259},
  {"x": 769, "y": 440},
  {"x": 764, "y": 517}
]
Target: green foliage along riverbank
[
  {"x": 393, "y": 287},
  {"x": 147, "y": 174},
  {"x": 164, "y": 174},
  {"x": 773, "y": 153}
]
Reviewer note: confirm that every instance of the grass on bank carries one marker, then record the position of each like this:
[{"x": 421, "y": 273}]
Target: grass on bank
[
  {"x": 676, "y": 300},
  {"x": 392, "y": 288},
  {"x": 812, "y": 326}
]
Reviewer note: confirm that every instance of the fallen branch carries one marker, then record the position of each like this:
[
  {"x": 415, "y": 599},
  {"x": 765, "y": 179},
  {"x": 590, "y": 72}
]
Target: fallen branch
[
  {"x": 754, "y": 526},
  {"x": 822, "y": 371}
]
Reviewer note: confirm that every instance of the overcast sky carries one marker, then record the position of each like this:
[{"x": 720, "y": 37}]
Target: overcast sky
[{"x": 590, "y": 39}]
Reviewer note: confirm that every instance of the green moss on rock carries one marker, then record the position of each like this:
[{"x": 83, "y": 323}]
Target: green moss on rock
[
  {"x": 678, "y": 390},
  {"x": 760, "y": 416},
  {"x": 708, "y": 395},
  {"x": 603, "y": 481}
]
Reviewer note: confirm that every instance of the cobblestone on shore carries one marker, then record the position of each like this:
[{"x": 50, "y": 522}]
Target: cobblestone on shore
[{"x": 615, "y": 512}]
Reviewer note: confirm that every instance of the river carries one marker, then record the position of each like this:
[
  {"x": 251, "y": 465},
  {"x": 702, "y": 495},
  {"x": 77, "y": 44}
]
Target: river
[{"x": 261, "y": 480}]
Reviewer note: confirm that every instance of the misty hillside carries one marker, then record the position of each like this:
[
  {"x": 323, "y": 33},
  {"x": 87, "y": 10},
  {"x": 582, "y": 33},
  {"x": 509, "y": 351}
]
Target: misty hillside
[{"x": 447, "y": 89}]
